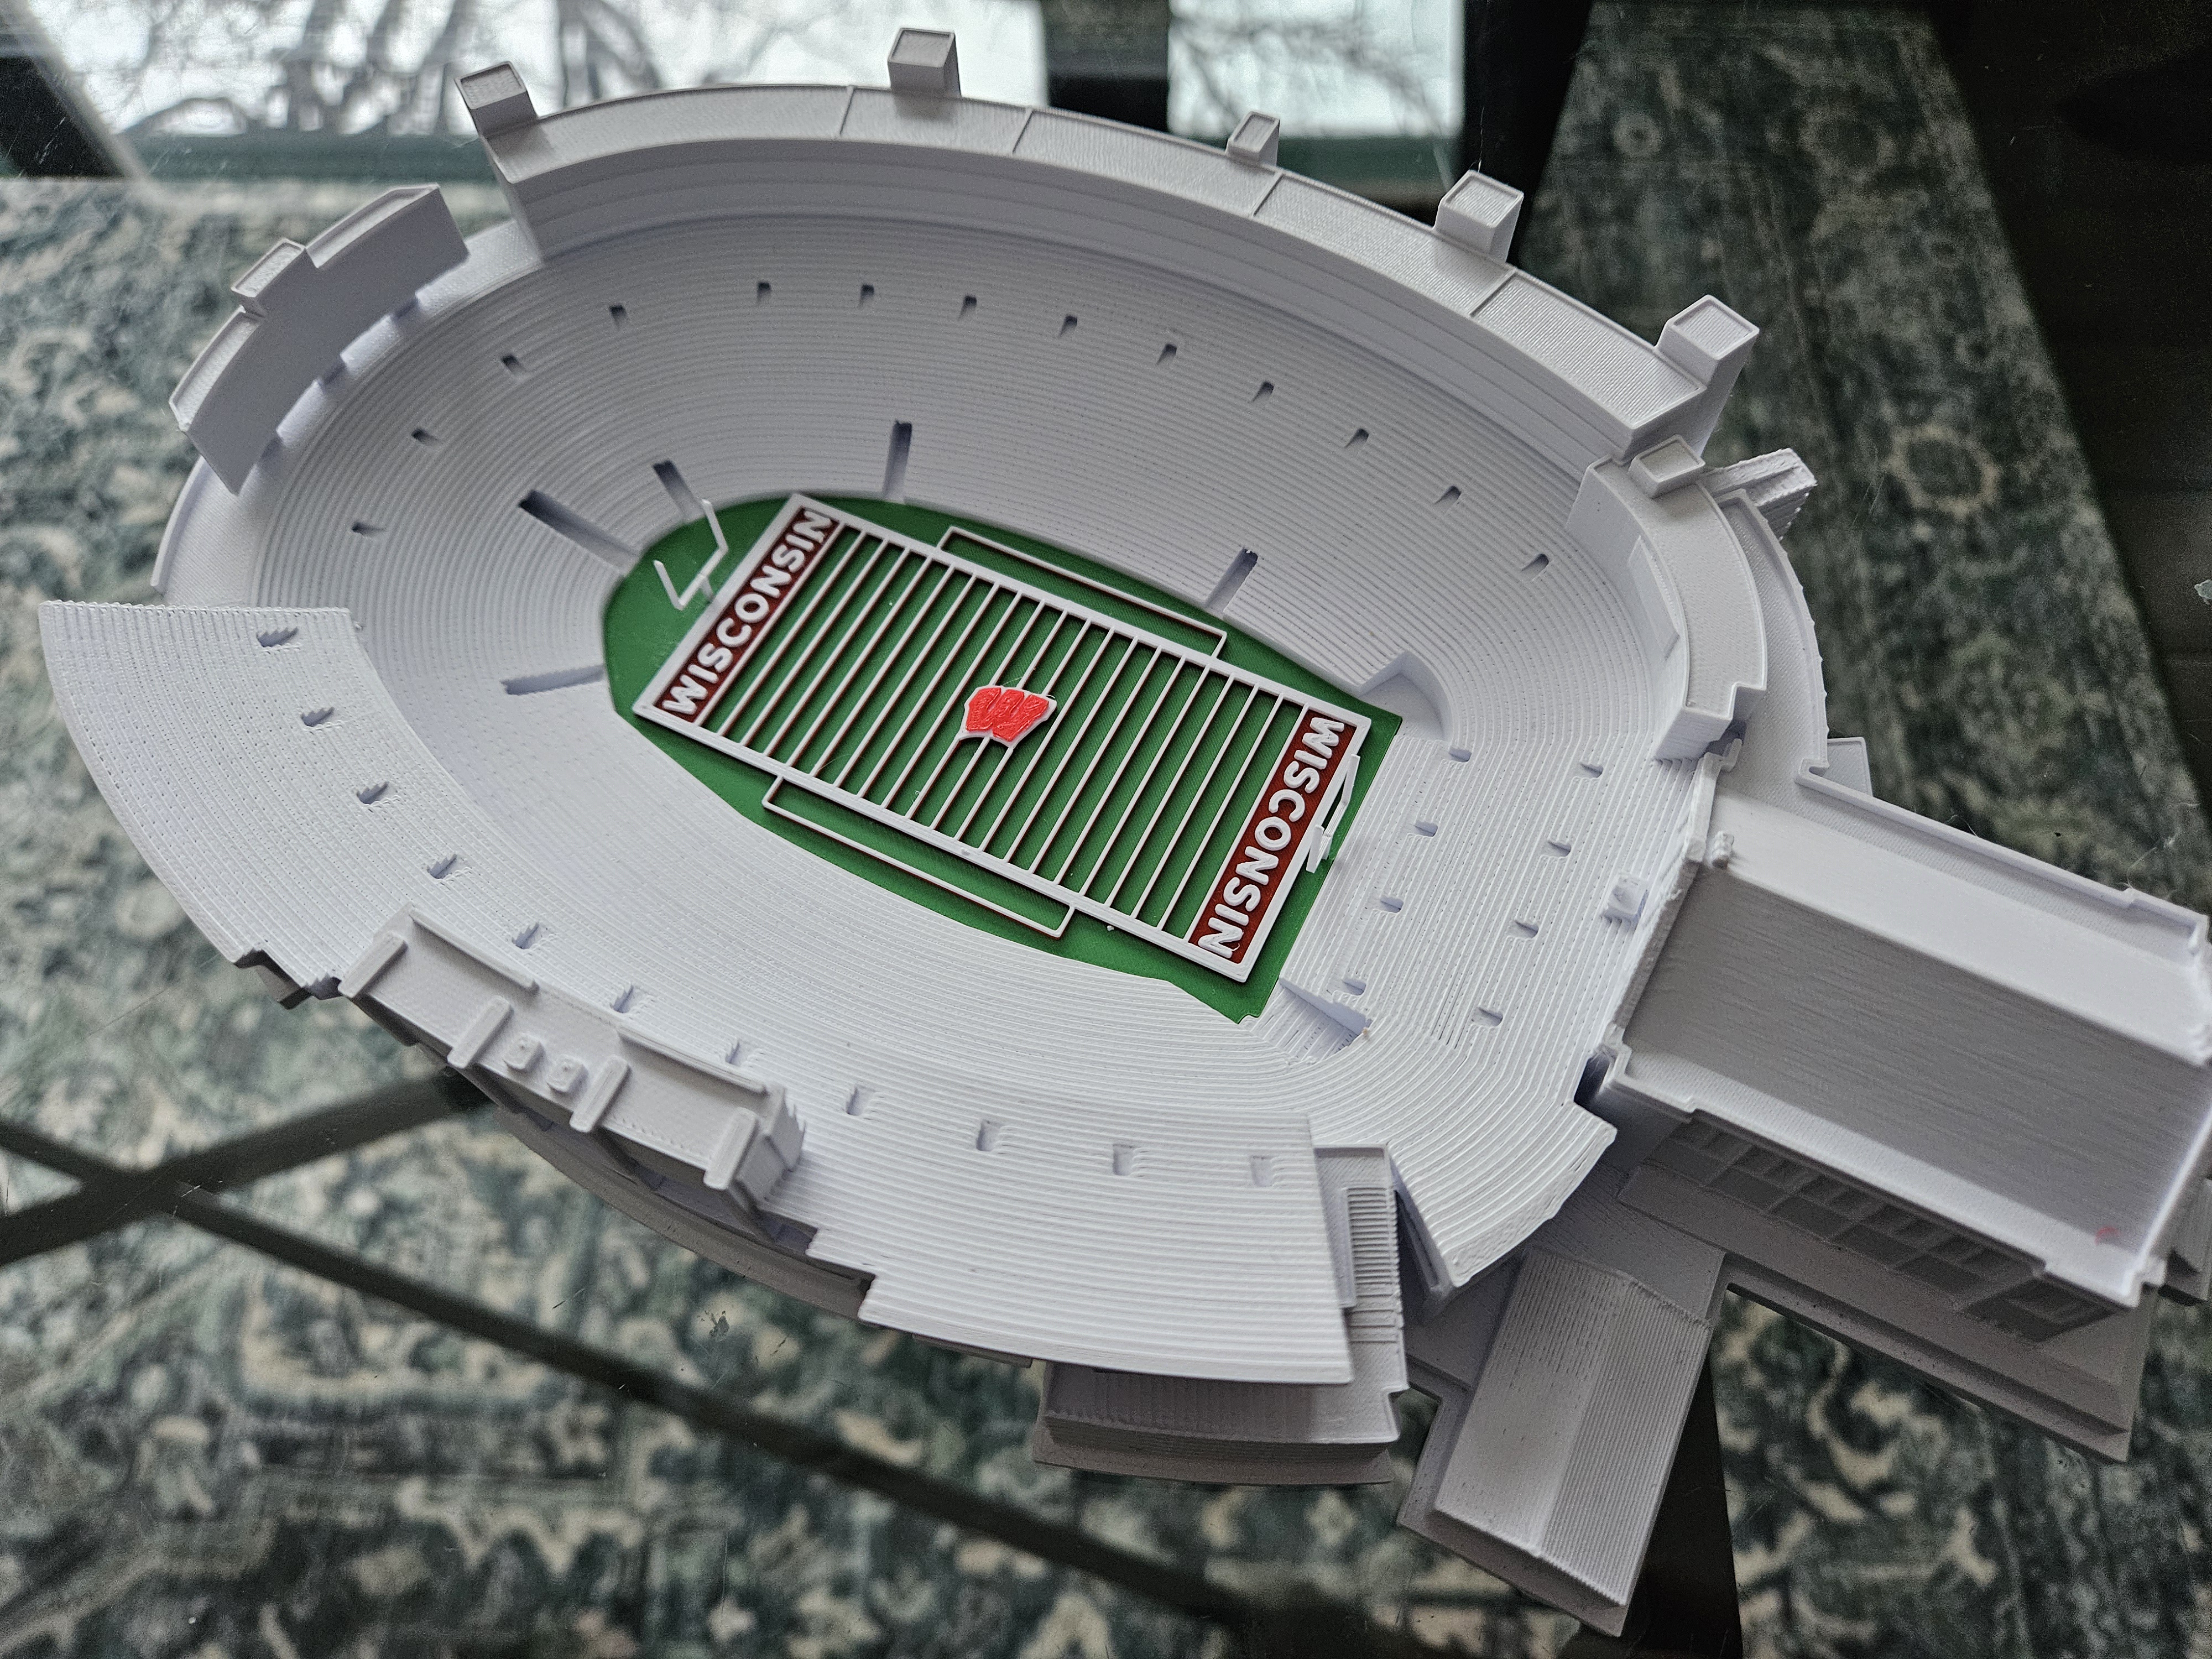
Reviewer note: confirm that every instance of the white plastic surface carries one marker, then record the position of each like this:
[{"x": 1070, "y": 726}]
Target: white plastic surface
[
  {"x": 1835, "y": 916},
  {"x": 1257, "y": 139},
  {"x": 1830, "y": 1053},
  {"x": 1258, "y": 1433},
  {"x": 1478, "y": 1111},
  {"x": 299, "y": 843},
  {"x": 1562, "y": 1386},
  {"x": 298, "y": 309}
]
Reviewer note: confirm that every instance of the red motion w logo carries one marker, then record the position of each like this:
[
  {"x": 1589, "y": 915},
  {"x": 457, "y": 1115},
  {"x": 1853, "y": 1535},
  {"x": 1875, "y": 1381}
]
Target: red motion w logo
[{"x": 1005, "y": 712}]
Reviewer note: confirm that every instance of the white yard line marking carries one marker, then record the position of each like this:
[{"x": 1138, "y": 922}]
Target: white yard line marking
[
  {"x": 1167, "y": 851},
  {"x": 790, "y": 628}
]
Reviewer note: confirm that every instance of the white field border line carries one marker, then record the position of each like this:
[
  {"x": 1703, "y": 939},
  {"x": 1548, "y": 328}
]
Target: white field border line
[
  {"x": 1220, "y": 634},
  {"x": 792, "y": 619},
  {"x": 768, "y": 800}
]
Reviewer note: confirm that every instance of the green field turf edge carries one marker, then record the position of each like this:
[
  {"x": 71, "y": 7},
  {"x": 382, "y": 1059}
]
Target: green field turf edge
[{"x": 641, "y": 630}]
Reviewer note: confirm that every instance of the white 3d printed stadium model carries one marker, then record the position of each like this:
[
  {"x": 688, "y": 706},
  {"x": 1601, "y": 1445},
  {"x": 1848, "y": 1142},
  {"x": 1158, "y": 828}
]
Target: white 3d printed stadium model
[{"x": 1221, "y": 799}]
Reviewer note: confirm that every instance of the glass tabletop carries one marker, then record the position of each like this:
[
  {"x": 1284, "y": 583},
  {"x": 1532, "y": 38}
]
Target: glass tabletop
[{"x": 412, "y": 1391}]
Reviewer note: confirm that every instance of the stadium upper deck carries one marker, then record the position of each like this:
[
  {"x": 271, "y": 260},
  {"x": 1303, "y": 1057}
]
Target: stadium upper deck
[{"x": 1619, "y": 988}]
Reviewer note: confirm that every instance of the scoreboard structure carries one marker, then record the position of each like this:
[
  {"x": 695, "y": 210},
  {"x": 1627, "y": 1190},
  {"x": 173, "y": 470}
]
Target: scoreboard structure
[{"x": 1064, "y": 741}]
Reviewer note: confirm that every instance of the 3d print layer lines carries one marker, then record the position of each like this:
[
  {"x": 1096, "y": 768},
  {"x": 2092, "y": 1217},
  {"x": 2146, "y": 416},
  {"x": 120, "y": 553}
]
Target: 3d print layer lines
[{"x": 1932, "y": 1096}]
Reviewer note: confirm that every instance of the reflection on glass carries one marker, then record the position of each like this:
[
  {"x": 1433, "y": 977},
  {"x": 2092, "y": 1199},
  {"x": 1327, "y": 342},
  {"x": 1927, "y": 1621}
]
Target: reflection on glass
[
  {"x": 1322, "y": 66},
  {"x": 334, "y": 67},
  {"x": 386, "y": 66}
]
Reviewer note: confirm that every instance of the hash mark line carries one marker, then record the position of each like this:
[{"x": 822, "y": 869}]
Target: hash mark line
[
  {"x": 959, "y": 705},
  {"x": 877, "y": 852},
  {"x": 922, "y": 699},
  {"x": 961, "y": 733},
  {"x": 1219, "y": 635},
  {"x": 887, "y": 614},
  {"x": 1251, "y": 696},
  {"x": 1108, "y": 635},
  {"x": 1052, "y": 783},
  {"x": 1176, "y": 784},
  {"x": 930, "y": 693},
  {"x": 975, "y": 754},
  {"x": 1059, "y": 668},
  {"x": 1160, "y": 643},
  {"x": 868, "y": 695},
  {"x": 881, "y": 815},
  {"x": 790, "y": 631},
  {"x": 1061, "y": 614},
  {"x": 941, "y": 574},
  {"x": 1136, "y": 745}
]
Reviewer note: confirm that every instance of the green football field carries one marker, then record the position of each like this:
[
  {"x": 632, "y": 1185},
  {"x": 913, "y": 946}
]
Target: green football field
[{"x": 1097, "y": 837}]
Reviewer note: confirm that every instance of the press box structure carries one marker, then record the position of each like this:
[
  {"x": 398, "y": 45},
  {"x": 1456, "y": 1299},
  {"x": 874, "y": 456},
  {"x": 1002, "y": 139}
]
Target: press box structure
[{"x": 1069, "y": 742}]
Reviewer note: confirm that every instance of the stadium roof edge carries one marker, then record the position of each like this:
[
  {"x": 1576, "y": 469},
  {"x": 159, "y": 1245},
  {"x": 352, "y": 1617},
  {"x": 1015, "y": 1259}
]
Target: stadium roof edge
[{"x": 575, "y": 177}]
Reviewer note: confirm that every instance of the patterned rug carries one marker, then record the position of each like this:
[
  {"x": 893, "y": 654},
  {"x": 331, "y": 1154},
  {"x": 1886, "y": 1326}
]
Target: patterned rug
[
  {"x": 1813, "y": 167},
  {"x": 203, "y": 1453}
]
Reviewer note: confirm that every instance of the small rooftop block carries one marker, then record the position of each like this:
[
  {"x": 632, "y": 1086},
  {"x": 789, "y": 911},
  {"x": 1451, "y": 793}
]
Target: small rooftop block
[
  {"x": 1480, "y": 213},
  {"x": 1665, "y": 467},
  {"x": 925, "y": 62},
  {"x": 496, "y": 99},
  {"x": 1256, "y": 140},
  {"x": 268, "y": 280},
  {"x": 1706, "y": 336}
]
